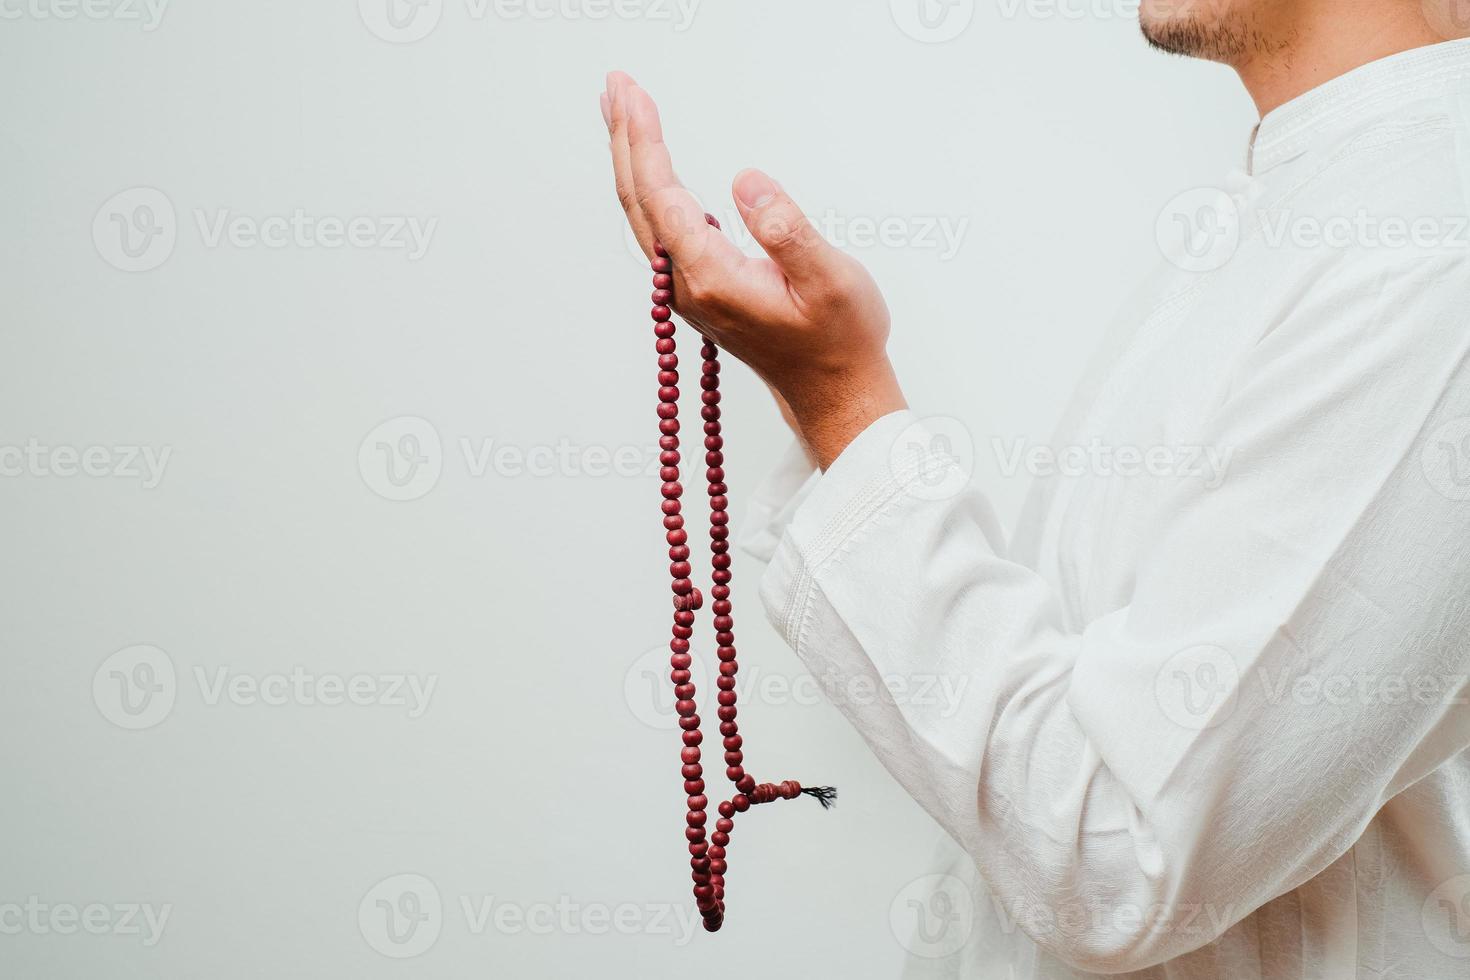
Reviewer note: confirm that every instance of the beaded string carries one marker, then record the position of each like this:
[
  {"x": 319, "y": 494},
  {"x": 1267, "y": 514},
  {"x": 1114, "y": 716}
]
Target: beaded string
[{"x": 706, "y": 851}]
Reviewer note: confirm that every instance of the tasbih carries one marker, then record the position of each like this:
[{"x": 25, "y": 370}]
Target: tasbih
[{"x": 706, "y": 851}]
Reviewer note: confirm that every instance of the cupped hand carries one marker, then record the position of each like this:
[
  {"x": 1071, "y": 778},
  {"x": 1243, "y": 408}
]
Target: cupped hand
[{"x": 808, "y": 319}]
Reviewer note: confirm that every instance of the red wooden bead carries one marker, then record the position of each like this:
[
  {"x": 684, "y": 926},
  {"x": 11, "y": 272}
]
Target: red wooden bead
[{"x": 707, "y": 860}]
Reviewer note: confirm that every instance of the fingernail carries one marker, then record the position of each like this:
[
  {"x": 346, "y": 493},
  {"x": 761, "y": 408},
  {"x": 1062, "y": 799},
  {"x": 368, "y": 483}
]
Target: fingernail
[
  {"x": 754, "y": 189},
  {"x": 606, "y": 109}
]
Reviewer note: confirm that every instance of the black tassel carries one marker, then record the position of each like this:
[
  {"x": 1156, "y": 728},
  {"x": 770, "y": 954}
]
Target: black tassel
[{"x": 825, "y": 795}]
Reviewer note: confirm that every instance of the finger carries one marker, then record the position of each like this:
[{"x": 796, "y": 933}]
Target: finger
[
  {"x": 676, "y": 216},
  {"x": 783, "y": 230},
  {"x": 623, "y": 163},
  {"x": 605, "y": 103}
]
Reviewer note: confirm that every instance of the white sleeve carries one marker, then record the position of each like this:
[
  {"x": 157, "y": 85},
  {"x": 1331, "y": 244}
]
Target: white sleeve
[
  {"x": 1292, "y": 657},
  {"x": 776, "y": 501}
]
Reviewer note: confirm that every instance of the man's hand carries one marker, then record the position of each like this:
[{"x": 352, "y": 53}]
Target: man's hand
[{"x": 809, "y": 319}]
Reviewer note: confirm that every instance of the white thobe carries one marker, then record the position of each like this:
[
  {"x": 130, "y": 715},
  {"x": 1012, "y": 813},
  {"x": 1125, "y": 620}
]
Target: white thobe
[{"x": 1213, "y": 721}]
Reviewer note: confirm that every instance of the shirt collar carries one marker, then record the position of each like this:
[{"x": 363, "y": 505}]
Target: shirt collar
[{"x": 1291, "y": 130}]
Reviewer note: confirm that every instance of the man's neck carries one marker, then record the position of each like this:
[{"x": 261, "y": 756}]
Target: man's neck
[{"x": 1317, "y": 42}]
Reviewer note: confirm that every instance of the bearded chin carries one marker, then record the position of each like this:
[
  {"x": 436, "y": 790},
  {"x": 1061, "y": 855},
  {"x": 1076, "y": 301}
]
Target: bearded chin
[{"x": 1227, "y": 40}]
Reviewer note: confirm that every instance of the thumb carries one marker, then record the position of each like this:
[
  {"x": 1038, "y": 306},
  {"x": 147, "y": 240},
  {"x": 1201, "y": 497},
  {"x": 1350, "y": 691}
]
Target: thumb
[{"x": 783, "y": 230}]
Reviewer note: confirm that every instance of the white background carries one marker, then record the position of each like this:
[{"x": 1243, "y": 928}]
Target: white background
[{"x": 530, "y": 778}]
